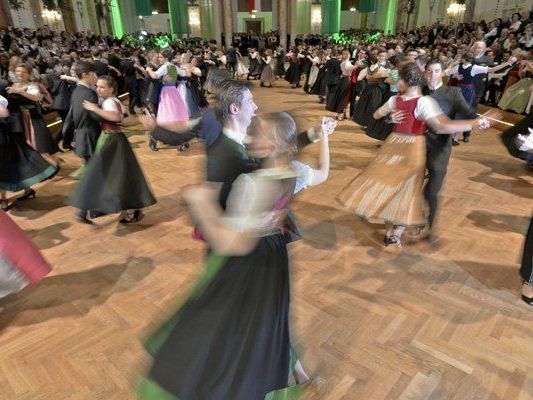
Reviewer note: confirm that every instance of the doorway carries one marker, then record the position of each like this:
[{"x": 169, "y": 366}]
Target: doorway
[{"x": 254, "y": 25}]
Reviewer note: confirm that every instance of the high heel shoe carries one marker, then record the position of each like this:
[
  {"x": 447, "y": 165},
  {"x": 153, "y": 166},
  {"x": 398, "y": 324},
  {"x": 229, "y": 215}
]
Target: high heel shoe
[
  {"x": 153, "y": 144},
  {"x": 184, "y": 146},
  {"x": 390, "y": 240},
  {"x": 27, "y": 195},
  {"x": 135, "y": 218},
  {"x": 527, "y": 300},
  {"x": 4, "y": 205}
]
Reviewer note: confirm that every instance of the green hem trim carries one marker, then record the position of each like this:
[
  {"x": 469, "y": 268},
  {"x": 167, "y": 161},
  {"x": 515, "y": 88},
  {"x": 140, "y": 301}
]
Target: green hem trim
[
  {"x": 150, "y": 390},
  {"x": 26, "y": 183}
]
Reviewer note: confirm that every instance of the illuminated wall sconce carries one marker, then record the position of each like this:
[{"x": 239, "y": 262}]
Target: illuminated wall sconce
[
  {"x": 353, "y": 9},
  {"x": 194, "y": 20},
  {"x": 316, "y": 18}
]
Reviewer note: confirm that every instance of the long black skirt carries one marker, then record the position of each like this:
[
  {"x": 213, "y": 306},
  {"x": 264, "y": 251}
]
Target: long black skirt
[
  {"x": 113, "y": 180},
  {"x": 509, "y": 138},
  {"x": 339, "y": 98},
  {"x": 331, "y": 91},
  {"x": 21, "y": 166},
  {"x": 380, "y": 128},
  {"x": 25, "y": 120},
  {"x": 230, "y": 339},
  {"x": 319, "y": 87},
  {"x": 293, "y": 74},
  {"x": 369, "y": 101},
  {"x": 526, "y": 270}
]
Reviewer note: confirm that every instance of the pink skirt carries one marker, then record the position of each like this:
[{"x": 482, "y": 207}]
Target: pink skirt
[
  {"x": 171, "y": 106},
  {"x": 21, "y": 262}
]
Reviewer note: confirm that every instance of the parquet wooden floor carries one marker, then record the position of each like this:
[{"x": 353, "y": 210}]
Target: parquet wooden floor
[{"x": 434, "y": 322}]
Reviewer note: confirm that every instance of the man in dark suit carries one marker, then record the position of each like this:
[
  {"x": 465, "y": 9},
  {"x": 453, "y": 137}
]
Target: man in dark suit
[
  {"x": 101, "y": 67},
  {"x": 231, "y": 60},
  {"x": 438, "y": 146},
  {"x": 84, "y": 124}
]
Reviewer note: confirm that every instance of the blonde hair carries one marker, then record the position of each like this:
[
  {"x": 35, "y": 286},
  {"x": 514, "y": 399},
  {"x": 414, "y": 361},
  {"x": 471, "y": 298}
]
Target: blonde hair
[{"x": 283, "y": 128}]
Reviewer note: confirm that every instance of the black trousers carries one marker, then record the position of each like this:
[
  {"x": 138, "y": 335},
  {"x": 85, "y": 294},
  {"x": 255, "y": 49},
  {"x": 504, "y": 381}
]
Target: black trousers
[
  {"x": 171, "y": 138},
  {"x": 526, "y": 270},
  {"x": 231, "y": 66},
  {"x": 133, "y": 88},
  {"x": 438, "y": 151}
]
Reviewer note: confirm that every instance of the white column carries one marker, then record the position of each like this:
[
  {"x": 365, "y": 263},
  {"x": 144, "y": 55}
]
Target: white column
[
  {"x": 282, "y": 10},
  {"x": 234, "y": 15},
  {"x": 218, "y": 21},
  {"x": 275, "y": 23},
  {"x": 292, "y": 23},
  {"x": 228, "y": 19}
]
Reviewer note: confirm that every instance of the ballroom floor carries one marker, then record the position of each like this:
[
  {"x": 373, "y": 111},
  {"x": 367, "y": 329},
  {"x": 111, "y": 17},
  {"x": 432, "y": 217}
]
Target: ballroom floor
[{"x": 441, "y": 321}]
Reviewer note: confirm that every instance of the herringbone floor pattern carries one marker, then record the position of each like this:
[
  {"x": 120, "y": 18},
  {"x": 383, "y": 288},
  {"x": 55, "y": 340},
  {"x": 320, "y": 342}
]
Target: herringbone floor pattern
[{"x": 435, "y": 322}]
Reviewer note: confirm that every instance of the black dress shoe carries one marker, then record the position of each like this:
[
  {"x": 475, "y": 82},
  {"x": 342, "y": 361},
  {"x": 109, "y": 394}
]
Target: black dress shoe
[
  {"x": 153, "y": 144},
  {"x": 466, "y": 139},
  {"x": 96, "y": 214},
  {"x": 455, "y": 142},
  {"x": 135, "y": 218}
]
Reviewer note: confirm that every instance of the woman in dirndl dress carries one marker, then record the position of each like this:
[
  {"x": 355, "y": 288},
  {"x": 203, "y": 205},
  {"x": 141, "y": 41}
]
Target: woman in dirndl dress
[
  {"x": 293, "y": 74},
  {"x": 313, "y": 72},
  {"x": 381, "y": 128},
  {"x": 267, "y": 75},
  {"x": 340, "y": 96},
  {"x": 254, "y": 70},
  {"x": 319, "y": 87},
  {"x": 113, "y": 181},
  {"x": 185, "y": 85},
  {"x": 26, "y": 115},
  {"x": 171, "y": 106},
  {"x": 242, "y": 70},
  {"x": 390, "y": 188},
  {"x": 21, "y": 166},
  {"x": 519, "y": 96},
  {"x": 371, "y": 98},
  {"x": 230, "y": 340},
  {"x": 465, "y": 73}
]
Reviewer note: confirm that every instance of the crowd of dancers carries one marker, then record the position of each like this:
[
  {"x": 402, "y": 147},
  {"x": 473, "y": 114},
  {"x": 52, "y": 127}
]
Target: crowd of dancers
[{"x": 230, "y": 339}]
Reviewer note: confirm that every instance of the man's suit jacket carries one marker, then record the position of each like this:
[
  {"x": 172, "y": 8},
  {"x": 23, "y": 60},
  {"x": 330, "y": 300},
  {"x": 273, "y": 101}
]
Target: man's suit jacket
[
  {"x": 84, "y": 124},
  {"x": 333, "y": 71},
  {"x": 452, "y": 103}
]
